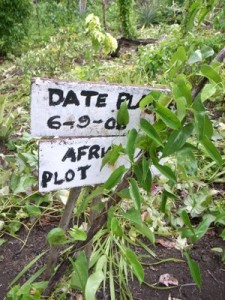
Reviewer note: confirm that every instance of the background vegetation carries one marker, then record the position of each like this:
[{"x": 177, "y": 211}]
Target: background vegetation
[{"x": 53, "y": 39}]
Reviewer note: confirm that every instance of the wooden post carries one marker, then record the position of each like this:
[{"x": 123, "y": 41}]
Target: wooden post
[{"x": 64, "y": 223}]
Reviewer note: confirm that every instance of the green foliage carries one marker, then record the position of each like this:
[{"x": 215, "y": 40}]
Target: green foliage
[
  {"x": 180, "y": 155},
  {"x": 7, "y": 118},
  {"x": 158, "y": 13},
  {"x": 125, "y": 11},
  {"x": 14, "y": 23},
  {"x": 99, "y": 37},
  {"x": 195, "y": 13}
]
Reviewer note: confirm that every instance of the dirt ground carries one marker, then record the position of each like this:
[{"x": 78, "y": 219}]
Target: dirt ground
[{"x": 12, "y": 260}]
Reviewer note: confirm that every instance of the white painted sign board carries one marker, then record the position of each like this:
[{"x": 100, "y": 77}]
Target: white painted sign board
[
  {"x": 72, "y": 162},
  {"x": 79, "y": 109}
]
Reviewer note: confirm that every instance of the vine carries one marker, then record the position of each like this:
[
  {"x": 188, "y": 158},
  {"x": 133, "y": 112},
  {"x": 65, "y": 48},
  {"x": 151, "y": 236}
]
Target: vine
[{"x": 125, "y": 10}]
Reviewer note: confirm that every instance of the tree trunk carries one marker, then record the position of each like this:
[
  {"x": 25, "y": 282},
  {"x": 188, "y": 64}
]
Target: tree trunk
[
  {"x": 82, "y": 6},
  {"x": 104, "y": 13}
]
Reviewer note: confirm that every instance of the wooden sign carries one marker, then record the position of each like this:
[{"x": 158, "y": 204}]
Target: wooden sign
[
  {"x": 64, "y": 108},
  {"x": 73, "y": 162}
]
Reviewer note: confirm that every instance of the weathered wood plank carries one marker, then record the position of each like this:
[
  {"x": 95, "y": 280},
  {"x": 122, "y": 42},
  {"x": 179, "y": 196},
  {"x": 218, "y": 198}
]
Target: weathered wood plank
[
  {"x": 65, "y": 108},
  {"x": 73, "y": 162}
]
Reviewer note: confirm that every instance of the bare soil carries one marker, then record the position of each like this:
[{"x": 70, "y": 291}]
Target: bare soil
[{"x": 12, "y": 260}]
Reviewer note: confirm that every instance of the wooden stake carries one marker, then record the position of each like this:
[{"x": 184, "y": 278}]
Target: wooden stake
[{"x": 64, "y": 223}]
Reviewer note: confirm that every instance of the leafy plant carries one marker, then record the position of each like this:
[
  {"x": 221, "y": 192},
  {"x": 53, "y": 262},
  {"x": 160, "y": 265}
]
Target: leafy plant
[
  {"x": 14, "y": 23},
  {"x": 6, "y": 119},
  {"x": 98, "y": 36}
]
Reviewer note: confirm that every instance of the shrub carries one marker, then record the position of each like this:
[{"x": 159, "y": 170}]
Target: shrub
[{"x": 14, "y": 17}]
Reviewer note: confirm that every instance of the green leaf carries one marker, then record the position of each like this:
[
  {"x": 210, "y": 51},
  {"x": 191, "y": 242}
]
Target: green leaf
[
  {"x": 133, "y": 215},
  {"x": 33, "y": 210},
  {"x": 150, "y": 131},
  {"x": 112, "y": 155},
  {"x": 195, "y": 270},
  {"x": 77, "y": 234},
  {"x": 187, "y": 221},
  {"x": 93, "y": 283},
  {"x": 201, "y": 54},
  {"x": 222, "y": 235},
  {"x": 166, "y": 171},
  {"x": 135, "y": 265},
  {"x": 203, "y": 227},
  {"x": 79, "y": 275},
  {"x": 130, "y": 147},
  {"x": 135, "y": 194},
  {"x": 116, "y": 228},
  {"x": 179, "y": 55},
  {"x": 208, "y": 127},
  {"x": 145, "y": 101},
  {"x": 207, "y": 51},
  {"x": 168, "y": 117},
  {"x": 195, "y": 57},
  {"x": 101, "y": 263},
  {"x": 123, "y": 115},
  {"x": 56, "y": 236},
  {"x": 182, "y": 89},
  {"x": 114, "y": 178},
  {"x": 143, "y": 174},
  {"x": 199, "y": 112},
  {"x": 208, "y": 91},
  {"x": 192, "y": 12},
  {"x": 84, "y": 198},
  {"x": 165, "y": 196},
  {"x": 211, "y": 150},
  {"x": 210, "y": 73},
  {"x": 177, "y": 139},
  {"x": 145, "y": 231},
  {"x": 186, "y": 161}
]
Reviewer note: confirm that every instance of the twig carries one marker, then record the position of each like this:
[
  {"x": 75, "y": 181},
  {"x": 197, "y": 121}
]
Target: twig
[{"x": 64, "y": 222}]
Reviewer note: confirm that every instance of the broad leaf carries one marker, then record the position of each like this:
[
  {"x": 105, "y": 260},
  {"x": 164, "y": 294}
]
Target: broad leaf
[
  {"x": 56, "y": 236},
  {"x": 93, "y": 283},
  {"x": 145, "y": 231},
  {"x": 150, "y": 131},
  {"x": 203, "y": 227},
  {"x": 130, "y": 147},
  {"x": 165, "y": 196},
  {"x": 182, "y": 88},
  {"x": 133, "y": 215},
  {"x": 166, "y": 171},
  {"x": 123, "y": 115},
  {"x": 208, "y": 91},
  {"x": 135, "y": 265},
  {"x": 143, "y": 175},
  {"x": 114, "y": 178},
  {"x": 145, "y": 101},
  {"x": 168, "y": 117},
  {"x": 211, "y": 150},
  {"x": 80, "y": 272},
  {"x": 187, "y": 221},
  {"x": 177, "y": 139},
  {"x": 211, "y": 74},
  {"x": 116, "y": 228},
  {"x": 135, "y": 194},
  {"x": 195, "y": 270},
  {"x": 112, "y": 155},
  {"x": 78, "y": 234}
]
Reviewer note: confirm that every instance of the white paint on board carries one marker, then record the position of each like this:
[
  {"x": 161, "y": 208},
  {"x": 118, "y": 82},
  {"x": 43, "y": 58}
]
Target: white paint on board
[
  {"x": 79, "y": 109},
  {"x": 73, "y": 162}
]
